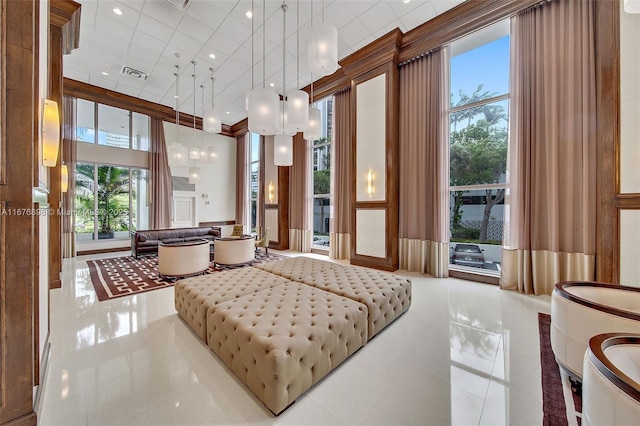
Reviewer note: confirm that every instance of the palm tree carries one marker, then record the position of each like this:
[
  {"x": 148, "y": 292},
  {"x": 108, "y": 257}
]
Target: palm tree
[{"x": 112, "y": 195}]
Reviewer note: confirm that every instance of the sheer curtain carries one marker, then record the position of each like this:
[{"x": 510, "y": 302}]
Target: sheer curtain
[
  {"x": 69, "y": 155},
  {"x": 300, "y": 196},
  {"x": 424, "y": 165},
  {"x": 242, "y": 190},
  {"x": 340, "y": 233},
  {"x": 551, "y": 195},
  {"x": 160, "y": 191}
]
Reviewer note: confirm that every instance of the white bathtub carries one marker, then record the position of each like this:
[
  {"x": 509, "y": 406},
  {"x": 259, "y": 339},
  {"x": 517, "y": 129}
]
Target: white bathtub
[{"x": 581, "y": 310}]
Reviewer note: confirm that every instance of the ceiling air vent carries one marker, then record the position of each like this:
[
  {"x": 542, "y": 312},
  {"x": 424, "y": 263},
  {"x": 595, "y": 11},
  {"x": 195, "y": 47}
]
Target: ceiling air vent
[
  {"x": 134, "y": 73},
  {"x": 178, "y": 4}
]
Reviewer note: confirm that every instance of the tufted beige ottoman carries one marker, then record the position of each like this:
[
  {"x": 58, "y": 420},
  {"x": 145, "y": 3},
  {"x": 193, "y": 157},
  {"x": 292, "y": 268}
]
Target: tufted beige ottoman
[
  {"x": 281, "y": 341},
  {"x": 194, "y": 296},
  {"x": 296, "y": 268},
  {"x": 386, "y": 295}
]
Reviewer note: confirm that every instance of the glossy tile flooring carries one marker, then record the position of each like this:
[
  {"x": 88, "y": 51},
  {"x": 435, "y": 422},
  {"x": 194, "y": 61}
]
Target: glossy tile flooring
[{"x": 465, "y": 353}]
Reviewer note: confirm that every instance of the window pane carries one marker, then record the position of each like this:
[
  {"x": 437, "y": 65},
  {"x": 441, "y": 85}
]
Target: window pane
[
  {"x": 254, "y": 215},
  {"x": 113, "y": 200},
  {"x": 84, "y": 209},
  {"x": 322, "y": 170},
  {"x": 113, "y": 126},
  {"x": 85, "y": 121},
  {"x": 321, "y": 209},
  {"x": 254, "y": 180},
  {"x": 478, "y": 144},
  {"x": 480, "y": 65},
  {"x": 477, "y": 222},
  {"x": 255, "y": 147},
  {"x": 140, "y": 140},
  {"x": 139, "y": 198}
]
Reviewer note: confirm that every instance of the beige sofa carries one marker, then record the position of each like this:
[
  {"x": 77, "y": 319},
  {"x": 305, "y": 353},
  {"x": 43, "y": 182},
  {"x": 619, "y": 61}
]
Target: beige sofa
[{"x": 282, "y": 326}]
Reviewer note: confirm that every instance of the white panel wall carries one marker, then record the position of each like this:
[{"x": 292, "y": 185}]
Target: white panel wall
[
  {"x": 371, "y": 138},
  {"x": 629, "y": 103},
  {"x": 271, "y": 222},
  {"x": 629, "y": 237},
  {"x": 371, "y": 235},
  {"x": 216, "y": 193},
  {"x": 629, "y": 145}
]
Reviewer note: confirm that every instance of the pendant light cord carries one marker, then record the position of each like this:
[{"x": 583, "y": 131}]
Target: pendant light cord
[
  {"x": 213, "y": 91},
  {"x": 177, "y": 74},
  {"x": 297, "y": 44},
  {"x": 264, "y": 14},
  {"x": 194, "y": 108},
  {"x": 252, "y": 33}
]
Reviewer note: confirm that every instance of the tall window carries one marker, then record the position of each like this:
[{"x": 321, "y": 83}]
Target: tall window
[
  {"x": 478, "y": 138},
  {"x": 111, "y": 201},
  {"x": 254, "y": 179},
  {"x": 322, "y": 176},
  {"x": 115, "y": 127}
]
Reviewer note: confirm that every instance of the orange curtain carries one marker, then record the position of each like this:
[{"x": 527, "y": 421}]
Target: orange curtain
[
  {"x": 551, "y": 197},
  {"x": 340, "y": 233},
  {"x": 423, "y": 212}
]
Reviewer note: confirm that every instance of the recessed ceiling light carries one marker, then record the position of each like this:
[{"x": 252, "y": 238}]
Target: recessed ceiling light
[
  {"x": 104, "y": 73},
  {"x": 248, "y": 14},
  {"x": 405, "y": 1},
  {"x": 272, "y": 85},
  {"x": 228, "y": 113},
  {"x": 117, "y": 11},
  {"x": 212, "y": 55}
]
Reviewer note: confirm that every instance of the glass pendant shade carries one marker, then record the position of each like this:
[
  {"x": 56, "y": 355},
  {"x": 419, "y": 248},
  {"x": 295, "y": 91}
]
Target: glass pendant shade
[
  {"x": 211, "y": 120},
  {"x": 194, "y": 174},
  {"x": 632, "y": 6},
  {"x": 178, "y": 155},
  {"x": 297, "y": 112},
  {"x": 313, "y": 130},
  {"x": 323, "y": 49},
  {"x": 204, "y": 157},
  {"x": 282, "y": 150},
  {"x": 212, "y": 155},
  {"x": 194, "y": 153},
  {"x": 263, "y": 111}
]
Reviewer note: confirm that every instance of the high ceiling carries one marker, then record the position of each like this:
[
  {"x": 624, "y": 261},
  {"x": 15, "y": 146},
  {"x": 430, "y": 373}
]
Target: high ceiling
[{"x": 153, "y": 36}]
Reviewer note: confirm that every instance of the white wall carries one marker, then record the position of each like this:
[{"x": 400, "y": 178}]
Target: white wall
[
  {"x": 216, "y": 193},
  {"x": 629, "y": 145}
]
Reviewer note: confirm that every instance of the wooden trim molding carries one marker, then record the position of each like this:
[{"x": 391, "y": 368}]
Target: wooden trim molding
[
  {"x": 378, "y": 53},
  {"x": 3, "y": 90},
  {"x": 78, "y": 89},
  {"x": 65, "y": 14}
]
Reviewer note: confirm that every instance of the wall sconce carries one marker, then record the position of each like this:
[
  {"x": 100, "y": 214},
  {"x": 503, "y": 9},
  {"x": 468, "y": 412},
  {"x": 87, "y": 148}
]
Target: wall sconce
[
  {"x": 270, "y": 192},
  {"x": 370, "y": 183},
  {"x": 64, "y": 178},
  {"x": 50, "y": 133}
]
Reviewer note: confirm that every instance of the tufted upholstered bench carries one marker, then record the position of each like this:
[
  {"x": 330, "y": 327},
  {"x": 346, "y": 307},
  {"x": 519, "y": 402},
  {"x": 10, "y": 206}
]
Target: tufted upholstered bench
[
  {"x": 281, "y": 341},
  {"x": 194, "y": 296},
  {"x": 386, "y": 295},
  {"x": 296, "y": 268}
]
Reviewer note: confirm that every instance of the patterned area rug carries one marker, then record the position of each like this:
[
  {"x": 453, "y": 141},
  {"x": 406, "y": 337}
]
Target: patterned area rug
[
  {"x": 125, "y": 276},
  {"x": 553, "y": 400}
]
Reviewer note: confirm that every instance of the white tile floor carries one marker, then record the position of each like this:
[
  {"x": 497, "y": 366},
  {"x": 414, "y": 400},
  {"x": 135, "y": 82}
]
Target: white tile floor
[{"x": 465, "y": 353}]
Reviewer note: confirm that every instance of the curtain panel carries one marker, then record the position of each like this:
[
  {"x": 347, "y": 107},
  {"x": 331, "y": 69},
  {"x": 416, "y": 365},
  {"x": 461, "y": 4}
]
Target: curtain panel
[
  {"x": 300, "y": 196},
  {"x": 342, "y": 147},
  {"x": 242, "y": 191},
  {"x": 550, "y": 227},
  {"x": 160, "y": 188},
  {"x": 424, "y": 170},
  {"x": 69, "y": 157}
]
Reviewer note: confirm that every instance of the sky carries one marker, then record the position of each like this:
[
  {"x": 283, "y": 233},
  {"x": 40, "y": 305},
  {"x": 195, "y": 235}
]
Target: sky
[{"x": 487, "y": 65}]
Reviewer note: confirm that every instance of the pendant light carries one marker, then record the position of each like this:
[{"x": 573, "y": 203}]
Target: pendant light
[
  {"x": 323, "y": 47},
  {"x": 204, "y": 158},
  {"x": 263, "y": 103},
  {"x": 212, "y": 122},
  {"x": 283, "y": 142},
  {"x": 297, "y": 111},
  {"x": 177, "y": 152},
  {"x": 194, "y": 154},
  {"x": 313, "y": 129}
]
